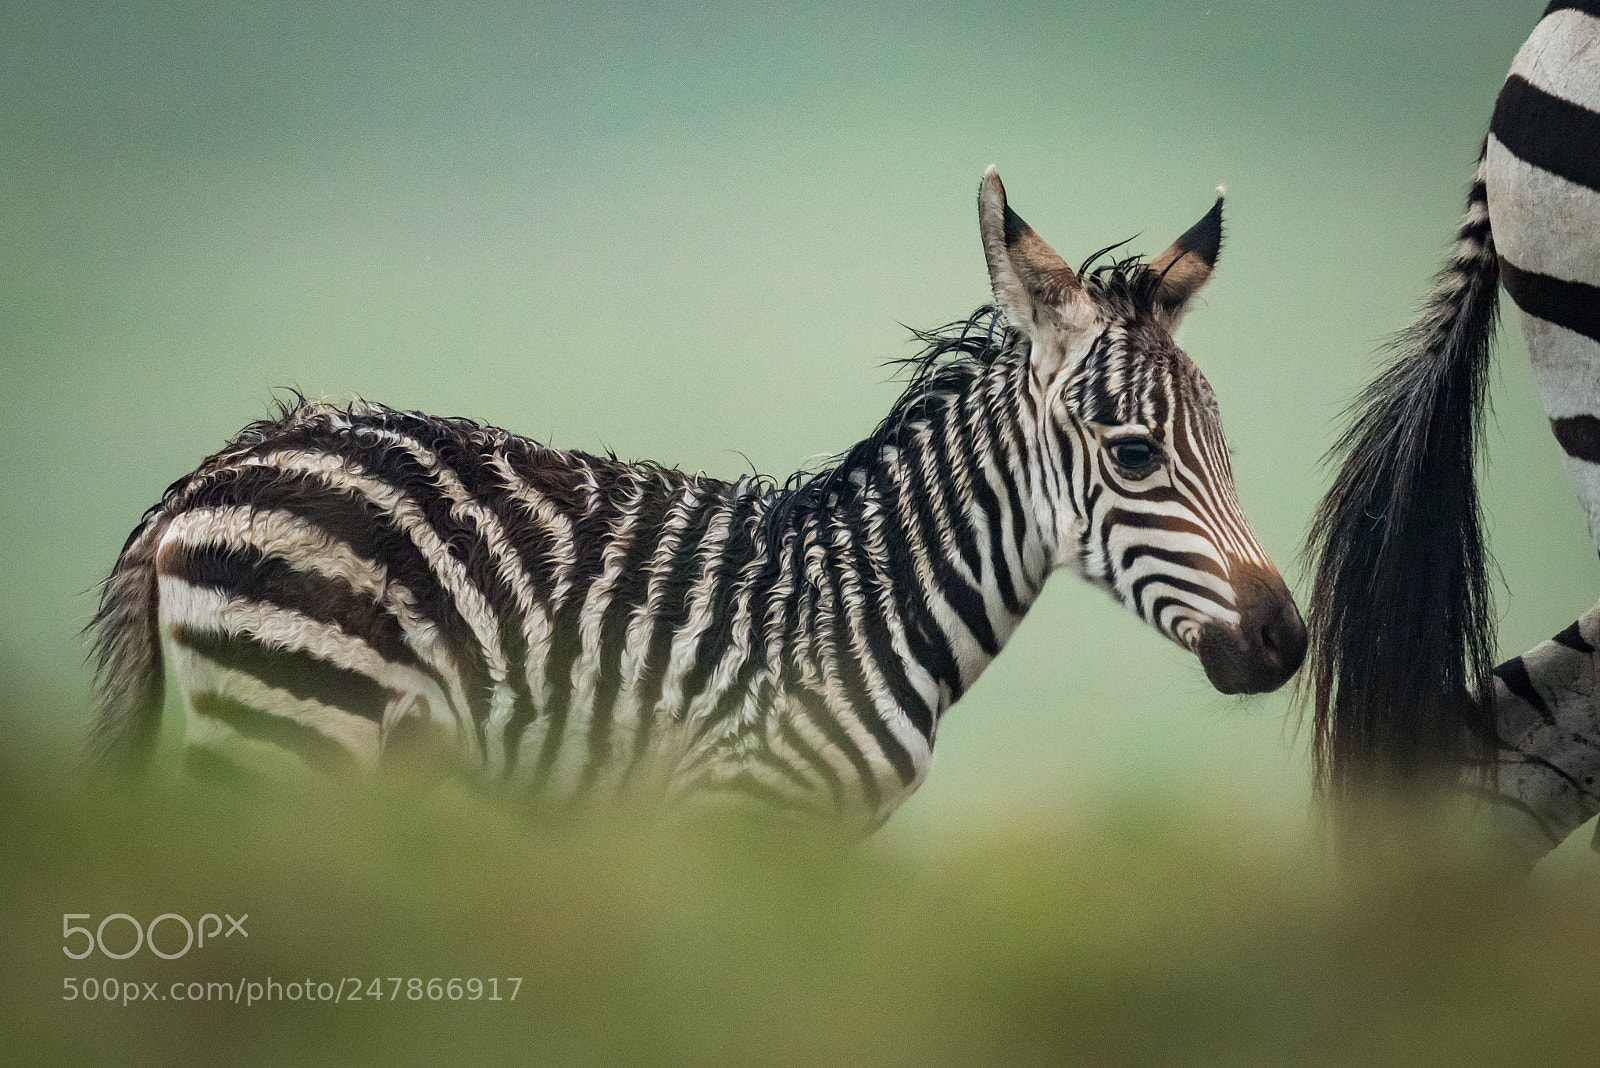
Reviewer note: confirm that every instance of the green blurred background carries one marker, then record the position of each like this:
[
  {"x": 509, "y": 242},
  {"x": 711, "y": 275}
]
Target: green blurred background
[{"x": 690, "y": 232}]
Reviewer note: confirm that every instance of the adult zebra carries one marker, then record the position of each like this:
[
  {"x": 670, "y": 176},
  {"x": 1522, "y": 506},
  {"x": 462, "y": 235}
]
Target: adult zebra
[
  {"x": 337, "y": 582},
  {"x": 1401, "y": 619}
]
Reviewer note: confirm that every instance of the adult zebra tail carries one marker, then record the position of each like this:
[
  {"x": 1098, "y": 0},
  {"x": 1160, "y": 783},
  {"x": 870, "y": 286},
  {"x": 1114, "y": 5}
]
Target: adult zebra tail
[
  {"x": 1401, "y": 615},
  {"x": 129, "y": 679}
]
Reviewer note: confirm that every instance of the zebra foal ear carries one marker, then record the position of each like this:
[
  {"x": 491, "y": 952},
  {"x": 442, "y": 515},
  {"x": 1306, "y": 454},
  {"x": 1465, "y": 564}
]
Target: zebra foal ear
[
  {"x": 1032, "y": 284},
  {"x": 1187, "y": 264}
]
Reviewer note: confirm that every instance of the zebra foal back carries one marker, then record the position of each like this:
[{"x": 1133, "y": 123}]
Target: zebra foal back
[{"x": 389, "y": 570}]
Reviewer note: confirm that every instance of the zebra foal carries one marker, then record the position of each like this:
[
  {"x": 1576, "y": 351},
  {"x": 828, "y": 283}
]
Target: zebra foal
[
  {"x": 1401, "y": 615},
  {"x": 338, "y": 580}
]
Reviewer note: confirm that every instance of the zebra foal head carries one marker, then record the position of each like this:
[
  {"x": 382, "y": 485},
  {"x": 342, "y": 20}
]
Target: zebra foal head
[{"x": 1135, "y": 469}]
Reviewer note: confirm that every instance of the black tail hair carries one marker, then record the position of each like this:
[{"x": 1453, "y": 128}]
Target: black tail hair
[
  {"x": 1401, "y": 614},
  {"x": 129, "y": 680}
]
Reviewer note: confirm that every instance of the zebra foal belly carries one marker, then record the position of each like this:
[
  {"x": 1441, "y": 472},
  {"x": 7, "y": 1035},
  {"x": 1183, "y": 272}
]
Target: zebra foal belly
[{"x": 295, "y": 655}]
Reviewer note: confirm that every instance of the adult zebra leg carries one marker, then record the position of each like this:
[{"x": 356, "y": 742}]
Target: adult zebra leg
[{"x": 1547, "y": 713}]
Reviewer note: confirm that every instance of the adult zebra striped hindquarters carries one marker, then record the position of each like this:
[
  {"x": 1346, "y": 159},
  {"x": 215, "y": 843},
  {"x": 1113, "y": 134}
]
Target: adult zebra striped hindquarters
[
  {"x": 1401, "y": 619},
  {"x": 340, "y": 579}
]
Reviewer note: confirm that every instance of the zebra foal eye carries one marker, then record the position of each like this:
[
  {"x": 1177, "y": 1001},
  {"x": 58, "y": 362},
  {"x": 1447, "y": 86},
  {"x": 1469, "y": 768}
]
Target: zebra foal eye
[{"x": 1132, "y": 454}]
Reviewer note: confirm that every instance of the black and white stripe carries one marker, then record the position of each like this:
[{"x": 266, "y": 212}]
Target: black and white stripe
[
  {"x": 1401, "y": 613},
  {"x": 1542, "y": 167},
  {"x": 339, "y": 580}
]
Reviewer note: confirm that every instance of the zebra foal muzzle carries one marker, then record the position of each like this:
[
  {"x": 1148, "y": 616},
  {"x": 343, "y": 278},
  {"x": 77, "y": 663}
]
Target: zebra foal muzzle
[{"x": 1265, "y": 648}]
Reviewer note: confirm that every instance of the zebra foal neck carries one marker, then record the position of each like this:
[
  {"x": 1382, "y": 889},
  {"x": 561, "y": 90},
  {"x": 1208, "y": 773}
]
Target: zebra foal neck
[{"x": 342, "y": 581}]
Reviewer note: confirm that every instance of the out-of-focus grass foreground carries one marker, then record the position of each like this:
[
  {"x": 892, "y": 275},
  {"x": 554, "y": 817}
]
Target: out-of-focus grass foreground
[
  {"x": 469, "y": 932},
  {"x": 678, "y": 231}
]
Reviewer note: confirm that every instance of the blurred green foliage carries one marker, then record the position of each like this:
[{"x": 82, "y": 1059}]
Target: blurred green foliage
[{"x": 1135, "y": 935}]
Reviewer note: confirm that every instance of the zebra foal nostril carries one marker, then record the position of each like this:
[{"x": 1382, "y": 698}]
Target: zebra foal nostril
[
  {"x": 1284, "y": 638},
  {"x": 1266, "y": 647}
]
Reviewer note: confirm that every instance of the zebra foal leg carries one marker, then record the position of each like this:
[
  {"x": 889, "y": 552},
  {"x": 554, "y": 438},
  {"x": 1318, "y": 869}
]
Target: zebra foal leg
[{"x": 1548, "y": 720}]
